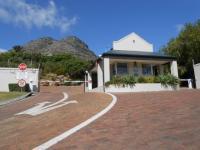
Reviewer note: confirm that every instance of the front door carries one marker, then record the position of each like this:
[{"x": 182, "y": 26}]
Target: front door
[{"x": 155, "y": 70}]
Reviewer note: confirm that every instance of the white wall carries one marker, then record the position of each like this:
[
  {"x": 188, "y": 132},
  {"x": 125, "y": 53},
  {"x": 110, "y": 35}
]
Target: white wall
[
  {"x": 132, "y": 42},
  {"x": 106, "y": 66},
  {"x": 9, "y": 75},
  {"x": 100, "y": 73},
  {"x": 140, "y": 87},
  {"x": 197, "y": 75}
]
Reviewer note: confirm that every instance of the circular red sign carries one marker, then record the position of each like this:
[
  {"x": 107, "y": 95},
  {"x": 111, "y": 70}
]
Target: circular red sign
[
  {"x": 22, "y": 66},
  {"x": 21, "y": 83}
]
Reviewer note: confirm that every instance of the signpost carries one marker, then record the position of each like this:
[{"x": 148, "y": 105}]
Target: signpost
[
  {"x": 22, "y": 67},
  {"x": 21, "y": 83},
  {"x": 22, "y": 75}
]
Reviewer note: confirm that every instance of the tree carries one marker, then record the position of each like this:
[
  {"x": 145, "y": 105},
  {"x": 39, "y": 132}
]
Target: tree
[
  {"x": 59, "y": 64},
  {"x": 17, "y": 48},
  {"x": 185, "y": 47}
]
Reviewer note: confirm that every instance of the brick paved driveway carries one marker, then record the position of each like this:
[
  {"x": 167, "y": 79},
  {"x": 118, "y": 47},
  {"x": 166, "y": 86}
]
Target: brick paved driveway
[
  {"x": 25, "y": 132},
  {"x": 150, "y": 121}
]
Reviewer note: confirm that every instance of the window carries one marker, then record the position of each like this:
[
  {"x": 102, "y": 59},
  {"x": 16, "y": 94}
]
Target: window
[
  {"x": 146, "y": 69},
  {"x": 122, "y": 68}
]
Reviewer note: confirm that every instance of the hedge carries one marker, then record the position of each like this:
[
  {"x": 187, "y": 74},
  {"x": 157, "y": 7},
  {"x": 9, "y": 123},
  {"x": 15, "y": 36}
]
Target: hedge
[{"x": 13, "y": 87}]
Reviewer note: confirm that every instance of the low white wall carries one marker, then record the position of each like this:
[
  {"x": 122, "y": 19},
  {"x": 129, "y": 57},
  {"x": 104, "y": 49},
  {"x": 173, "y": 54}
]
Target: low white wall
[
  {"x": 9, "y": 75},
  {"x": 139, "y": 87}
]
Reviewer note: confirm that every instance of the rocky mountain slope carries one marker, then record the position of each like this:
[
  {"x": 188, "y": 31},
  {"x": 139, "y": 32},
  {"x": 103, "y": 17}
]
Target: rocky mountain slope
[{"x": 71, "y": 44}]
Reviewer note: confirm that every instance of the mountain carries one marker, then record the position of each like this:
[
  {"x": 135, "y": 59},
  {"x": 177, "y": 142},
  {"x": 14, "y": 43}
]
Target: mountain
[{"x": 71, "y": 44}]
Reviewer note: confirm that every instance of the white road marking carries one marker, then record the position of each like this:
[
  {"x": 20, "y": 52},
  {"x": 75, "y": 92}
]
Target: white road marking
[
  {"x": 43, "y": 107},
  {"x": 67, "y": 133}
]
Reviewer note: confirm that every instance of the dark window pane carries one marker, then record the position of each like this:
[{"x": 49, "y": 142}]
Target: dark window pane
[{"x": 122, "y": 68}]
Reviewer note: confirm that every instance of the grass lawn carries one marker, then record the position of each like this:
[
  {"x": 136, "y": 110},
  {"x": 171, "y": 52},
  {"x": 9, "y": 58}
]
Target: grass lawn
[{"x": 4, "y": 96}]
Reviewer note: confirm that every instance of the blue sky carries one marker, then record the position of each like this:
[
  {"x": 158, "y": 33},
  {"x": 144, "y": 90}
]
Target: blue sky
[{"x": 97, "y": 22}]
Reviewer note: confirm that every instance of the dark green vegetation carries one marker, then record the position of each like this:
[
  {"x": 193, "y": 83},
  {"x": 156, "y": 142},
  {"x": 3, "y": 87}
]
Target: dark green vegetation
[
  {"x": 59, "y": 64},
  {"x": 130, "y": 80},
  {"x": 185, "y": 47},
  {"x": 69, "y": 57},
  {"x": 13, "y": 87}
]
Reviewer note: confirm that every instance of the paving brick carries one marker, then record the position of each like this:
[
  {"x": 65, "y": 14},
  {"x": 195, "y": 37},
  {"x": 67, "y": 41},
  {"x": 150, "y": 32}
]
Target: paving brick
[{"x": 153, "y": 120}]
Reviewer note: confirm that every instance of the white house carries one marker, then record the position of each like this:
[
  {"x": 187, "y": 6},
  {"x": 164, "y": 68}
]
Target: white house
[{"x": 131, "y": 55}]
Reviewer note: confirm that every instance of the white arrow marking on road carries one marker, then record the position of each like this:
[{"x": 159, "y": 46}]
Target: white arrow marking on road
[
  {"x": 69, "y": 132},
  {"x": 43, "y": 107}
]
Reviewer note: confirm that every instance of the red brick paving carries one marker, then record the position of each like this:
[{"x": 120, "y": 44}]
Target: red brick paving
[
  {"x": 144, "y": 121},
  {"x": 26, "y": 132}
]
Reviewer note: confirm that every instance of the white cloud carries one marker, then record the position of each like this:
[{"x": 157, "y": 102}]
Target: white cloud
[
  {"x": 2, "y": 50},
  {"x": 29, "y": 15},
  {"x": 179, "y": 27}
]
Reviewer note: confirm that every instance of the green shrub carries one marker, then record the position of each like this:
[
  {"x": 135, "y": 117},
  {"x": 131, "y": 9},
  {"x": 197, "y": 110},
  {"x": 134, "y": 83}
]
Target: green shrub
[
  {"x": 130, "y": 80},
  {"x": 127, "y": 80},
  {"x": 141, "y": 79},
  {"x": 147, "y": 79},
  {"x": 13, "y": 87},
  {"x": 108, "y": 83},
  {"x": 168, "y": 80}
]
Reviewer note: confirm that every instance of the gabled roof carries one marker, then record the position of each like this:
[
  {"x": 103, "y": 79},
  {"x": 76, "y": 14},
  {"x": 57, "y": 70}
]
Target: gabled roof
[
  {"x": 132, "y": 34},
  {"x": 137, "y": 54}
]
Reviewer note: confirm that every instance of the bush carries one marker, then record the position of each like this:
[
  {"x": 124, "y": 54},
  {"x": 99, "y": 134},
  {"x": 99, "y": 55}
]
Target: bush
[
  {"x": 130, "y": 80},
  {"x": 141, "y": 79},
  {"x": 127, "y": 80},
  {"x": 147, "y": 79},
  {"x": 168, "y": 80},
  {"x": 13, "y": 87}
]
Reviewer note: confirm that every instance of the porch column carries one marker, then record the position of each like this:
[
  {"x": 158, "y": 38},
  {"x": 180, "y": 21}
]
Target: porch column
[
  {"x": 100, "y": 73},
  {"x": 89, "y": 78},
  {"x": 106, "y": 63},
  {"x": 174, "y": 68}
]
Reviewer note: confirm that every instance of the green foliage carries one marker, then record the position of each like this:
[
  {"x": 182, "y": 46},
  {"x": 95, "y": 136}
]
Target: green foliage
[
  {"x": 60, "y": 64},
  {"x": 17, "y": 48},
  {"x": 13, "y": 87},
  {"x": 185, "y": 47},
  {"x": 168, "y": 80},
  {"x": 146, "y": 79},
  {"x": 126, "y": 80},
  {"x": 130, "y": 80}
]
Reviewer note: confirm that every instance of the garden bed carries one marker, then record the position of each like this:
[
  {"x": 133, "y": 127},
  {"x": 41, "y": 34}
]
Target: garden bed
[{"x": 130, "y": 83}]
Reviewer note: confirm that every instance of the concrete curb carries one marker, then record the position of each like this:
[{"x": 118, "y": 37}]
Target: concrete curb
[{"x": 16, "y": 99}]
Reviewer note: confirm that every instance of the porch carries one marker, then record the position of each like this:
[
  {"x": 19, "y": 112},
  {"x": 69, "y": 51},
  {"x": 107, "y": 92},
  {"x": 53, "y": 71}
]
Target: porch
[{"x": 110, "y": 67}]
